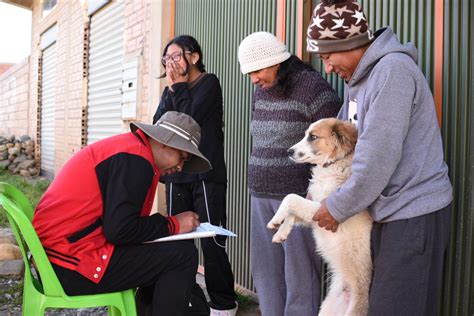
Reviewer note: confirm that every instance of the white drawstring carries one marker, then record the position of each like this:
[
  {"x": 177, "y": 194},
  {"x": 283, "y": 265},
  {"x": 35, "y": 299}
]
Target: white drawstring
[
  {"x": 205, "y": 200},
  {"x": 207, "y": 211},
  {"x": 171, "y": 198}
]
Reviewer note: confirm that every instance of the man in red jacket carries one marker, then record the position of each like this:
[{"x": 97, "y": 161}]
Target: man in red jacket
[{"x": 94, "y": 218}]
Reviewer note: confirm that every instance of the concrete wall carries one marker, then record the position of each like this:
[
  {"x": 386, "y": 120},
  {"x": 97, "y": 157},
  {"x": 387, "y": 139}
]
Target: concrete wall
[{"x": 14, "y": 97}]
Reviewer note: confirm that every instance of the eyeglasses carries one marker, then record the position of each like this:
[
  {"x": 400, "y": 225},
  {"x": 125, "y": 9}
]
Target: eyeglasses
[{"x": 174, "y": 57}]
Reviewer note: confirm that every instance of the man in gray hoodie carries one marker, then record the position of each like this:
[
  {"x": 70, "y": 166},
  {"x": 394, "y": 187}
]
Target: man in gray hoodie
[{"x": 398, "y": 170}]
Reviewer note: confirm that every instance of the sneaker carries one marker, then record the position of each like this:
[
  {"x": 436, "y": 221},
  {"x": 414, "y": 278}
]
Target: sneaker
[{"x": 227, "y": 312}]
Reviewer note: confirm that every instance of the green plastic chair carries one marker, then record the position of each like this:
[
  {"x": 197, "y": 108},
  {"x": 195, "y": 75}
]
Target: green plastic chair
[{"x": 47, "y": 292}]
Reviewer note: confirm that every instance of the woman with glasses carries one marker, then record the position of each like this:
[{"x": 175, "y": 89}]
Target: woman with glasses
[{"x": 193, "y": 91}]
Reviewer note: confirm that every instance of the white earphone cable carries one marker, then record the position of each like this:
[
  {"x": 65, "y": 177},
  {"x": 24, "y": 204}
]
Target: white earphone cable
[{"x": 207, "y": 211}]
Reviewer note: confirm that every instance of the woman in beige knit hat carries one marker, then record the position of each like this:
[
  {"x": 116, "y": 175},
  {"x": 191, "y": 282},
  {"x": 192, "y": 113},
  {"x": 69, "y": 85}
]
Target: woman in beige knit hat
[{"x": 289, "y": 96}]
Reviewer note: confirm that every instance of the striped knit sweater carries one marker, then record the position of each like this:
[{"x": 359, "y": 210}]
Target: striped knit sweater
[{"x": 279, "y": 122}]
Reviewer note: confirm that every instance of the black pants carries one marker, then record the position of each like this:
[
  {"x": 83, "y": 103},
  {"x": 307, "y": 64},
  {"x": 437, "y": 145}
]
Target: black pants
[
  {"x": 408, "y": 257},
  {"x": 208, "y": 199},
  {"x": 165, "y": 273}
]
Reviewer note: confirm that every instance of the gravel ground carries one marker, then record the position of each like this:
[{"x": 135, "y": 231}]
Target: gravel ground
[{"x": 10, "y": 302}]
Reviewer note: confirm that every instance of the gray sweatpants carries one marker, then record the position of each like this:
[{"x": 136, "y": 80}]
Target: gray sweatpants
[
  {"x": 287, "y": 276},
  {"x": 408, "y": 258}
]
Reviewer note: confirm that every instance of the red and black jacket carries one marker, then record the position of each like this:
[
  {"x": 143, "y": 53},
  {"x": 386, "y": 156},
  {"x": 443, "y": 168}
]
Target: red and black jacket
[{"x": 101, "y": 198}]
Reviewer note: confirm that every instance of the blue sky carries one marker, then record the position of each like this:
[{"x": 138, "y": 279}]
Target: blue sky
[{"x": 15, "y": 33}]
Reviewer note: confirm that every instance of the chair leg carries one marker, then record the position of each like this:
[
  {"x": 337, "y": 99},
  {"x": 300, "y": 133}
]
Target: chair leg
[
  {"x": 33, "y": 303},
  {"x": 114, "y": 311},
  {"x": 130, "y": 303},
  {"x": 32, "y": 309},
  {"x": 131, "y": 310}
]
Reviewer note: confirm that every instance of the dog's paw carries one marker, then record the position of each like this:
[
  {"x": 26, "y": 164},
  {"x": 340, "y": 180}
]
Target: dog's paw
[
  {"x": 278, "y": 238},
  {"x": 276, "y": 221},
  {"x": 285, "y": 229},
  {"x": 272, "y": 225}
]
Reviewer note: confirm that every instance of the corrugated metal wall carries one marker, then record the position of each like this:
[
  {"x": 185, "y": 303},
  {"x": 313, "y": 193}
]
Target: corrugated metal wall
[
  {"x": 414, "y": 21},
  {"x": 291, "y": 24},
  {"x": 458, "y": 135},
  {"x": 219, "y": 26},
  {"x": 411, "y": 20}
]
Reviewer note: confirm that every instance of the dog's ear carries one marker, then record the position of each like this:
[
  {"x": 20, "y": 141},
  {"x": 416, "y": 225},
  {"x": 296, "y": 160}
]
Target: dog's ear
[{"x": 345, "y": 134}]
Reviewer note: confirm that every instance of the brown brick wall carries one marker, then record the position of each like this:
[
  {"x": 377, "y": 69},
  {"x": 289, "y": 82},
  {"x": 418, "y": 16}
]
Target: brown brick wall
[
  {"x": 70, "y": 18},
  {"x": 14, "y": 105},
  {"x": 146, "y": 30}
]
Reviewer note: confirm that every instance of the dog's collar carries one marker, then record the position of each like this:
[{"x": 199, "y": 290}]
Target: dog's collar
[{"x": 327, "y": 164}]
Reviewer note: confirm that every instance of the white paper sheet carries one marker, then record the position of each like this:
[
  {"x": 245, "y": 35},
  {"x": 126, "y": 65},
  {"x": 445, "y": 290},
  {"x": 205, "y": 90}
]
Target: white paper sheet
[{"x": 204, "y": 230}]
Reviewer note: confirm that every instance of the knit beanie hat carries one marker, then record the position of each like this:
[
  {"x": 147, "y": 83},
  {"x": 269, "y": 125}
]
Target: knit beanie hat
[
  {"x": 261, "y": 50},
  {"x": 337, "y": 25}
]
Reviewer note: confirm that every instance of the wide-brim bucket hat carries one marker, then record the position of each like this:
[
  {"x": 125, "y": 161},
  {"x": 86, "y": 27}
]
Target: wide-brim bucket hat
[{"x": 179, "y": 131}]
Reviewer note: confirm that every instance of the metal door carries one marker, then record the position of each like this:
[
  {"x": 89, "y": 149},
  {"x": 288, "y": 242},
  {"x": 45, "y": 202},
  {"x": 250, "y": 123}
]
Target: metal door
[
  {"x": 48, "y": 93},
  {"x": 104, "y": 116}
]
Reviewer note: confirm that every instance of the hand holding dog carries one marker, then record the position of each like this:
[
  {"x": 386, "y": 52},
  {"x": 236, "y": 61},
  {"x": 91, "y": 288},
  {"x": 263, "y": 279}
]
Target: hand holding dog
[
  {"x": 188, "y": 221},
  {"x": 324, "y": 218}
]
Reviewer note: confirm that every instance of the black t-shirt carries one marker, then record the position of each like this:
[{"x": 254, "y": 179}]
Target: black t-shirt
[{"x": 203, "y": 101}]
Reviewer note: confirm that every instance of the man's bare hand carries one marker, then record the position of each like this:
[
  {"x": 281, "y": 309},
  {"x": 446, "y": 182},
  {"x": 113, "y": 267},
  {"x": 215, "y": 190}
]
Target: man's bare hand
[
  {"x": 188, "y": 221},
  {"x": 324, "y": 218}
]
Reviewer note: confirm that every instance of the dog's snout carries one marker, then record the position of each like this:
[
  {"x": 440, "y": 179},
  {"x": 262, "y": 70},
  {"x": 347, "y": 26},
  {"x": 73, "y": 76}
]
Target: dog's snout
[{"x": 290, "y": 152}]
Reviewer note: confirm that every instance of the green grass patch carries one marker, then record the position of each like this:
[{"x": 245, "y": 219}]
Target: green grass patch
[{"x": 32, "y": 188}]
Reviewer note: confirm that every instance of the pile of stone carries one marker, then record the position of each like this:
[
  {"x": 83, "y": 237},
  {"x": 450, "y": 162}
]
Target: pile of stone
[
  {"x": 18, "y": 155},
  {"x": 11, "y": 262}
]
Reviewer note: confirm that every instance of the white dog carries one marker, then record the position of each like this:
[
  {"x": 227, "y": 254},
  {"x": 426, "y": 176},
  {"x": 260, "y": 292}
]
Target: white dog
[{"x": 329, "y": 144}]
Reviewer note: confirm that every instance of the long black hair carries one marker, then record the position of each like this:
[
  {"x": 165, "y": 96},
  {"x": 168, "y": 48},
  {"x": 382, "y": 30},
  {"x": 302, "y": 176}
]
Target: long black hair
[
  {"x": 187, "y": 43},
  {"x": 287, "y": 71}
]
